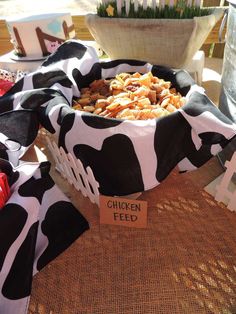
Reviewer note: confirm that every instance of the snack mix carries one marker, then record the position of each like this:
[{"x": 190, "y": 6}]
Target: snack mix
[{"x": 130, "y": 96}]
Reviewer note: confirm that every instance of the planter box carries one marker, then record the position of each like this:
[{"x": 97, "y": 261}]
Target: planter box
[{"x": 170, "y": 42}]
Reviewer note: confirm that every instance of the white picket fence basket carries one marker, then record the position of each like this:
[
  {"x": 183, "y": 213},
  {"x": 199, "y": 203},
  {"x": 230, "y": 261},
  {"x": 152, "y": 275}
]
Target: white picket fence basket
[
  {"x": 223, "y": 193},
  {"x": 223, "y": 189},
  {"x": 73, "y": 170}
]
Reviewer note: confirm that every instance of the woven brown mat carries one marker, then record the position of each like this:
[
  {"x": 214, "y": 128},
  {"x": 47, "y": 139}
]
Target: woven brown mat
[{"x": 184, "y": 262}]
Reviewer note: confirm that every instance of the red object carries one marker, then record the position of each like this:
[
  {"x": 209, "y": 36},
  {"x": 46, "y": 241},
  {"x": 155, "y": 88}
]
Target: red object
[
  {"x": 5, "y": 86},
  {"x": 4, "y": 189}
]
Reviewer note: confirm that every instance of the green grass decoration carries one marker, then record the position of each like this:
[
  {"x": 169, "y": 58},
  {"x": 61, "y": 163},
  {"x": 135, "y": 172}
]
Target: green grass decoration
[{"x": 175, "y": 12}]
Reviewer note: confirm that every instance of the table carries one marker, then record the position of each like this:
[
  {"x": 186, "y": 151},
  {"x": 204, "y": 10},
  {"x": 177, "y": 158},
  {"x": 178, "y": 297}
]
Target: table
[
  {"x": 182, "y": 262},
  {"x": 173, "y": 266}
]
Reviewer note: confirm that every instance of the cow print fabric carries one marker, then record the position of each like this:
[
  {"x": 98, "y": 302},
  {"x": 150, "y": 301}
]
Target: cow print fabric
[
  {"x": 125, "y": 156},
  {"x": 37, "y": 223}
]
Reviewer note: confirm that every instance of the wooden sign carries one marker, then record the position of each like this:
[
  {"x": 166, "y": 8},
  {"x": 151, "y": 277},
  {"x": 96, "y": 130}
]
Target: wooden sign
[{"x": 122, "y": 211}]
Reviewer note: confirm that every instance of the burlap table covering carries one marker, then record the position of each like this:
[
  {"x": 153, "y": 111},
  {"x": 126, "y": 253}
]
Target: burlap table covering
[{"x": 184, "y": 262}]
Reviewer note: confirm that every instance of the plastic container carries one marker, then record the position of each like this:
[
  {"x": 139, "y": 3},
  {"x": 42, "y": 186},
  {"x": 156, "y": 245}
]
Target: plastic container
[{"x": 227, "y": 102}]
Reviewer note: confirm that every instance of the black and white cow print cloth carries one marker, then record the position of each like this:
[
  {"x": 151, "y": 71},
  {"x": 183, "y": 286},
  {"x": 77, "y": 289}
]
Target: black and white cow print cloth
[
  {"x": 125, "y": 156},
  {"x": 37, "y": 223}
]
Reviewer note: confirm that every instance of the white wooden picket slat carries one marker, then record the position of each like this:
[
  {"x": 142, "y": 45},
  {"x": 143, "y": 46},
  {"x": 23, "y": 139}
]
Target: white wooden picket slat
[
  {"x": 222, "y": 190},
  {"x": 72, "y": 169}
]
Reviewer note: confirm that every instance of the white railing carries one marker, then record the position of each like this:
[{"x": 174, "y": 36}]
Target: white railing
[
  {"x": 73, "y": 170},
  {"x": 223, "y": 192},
  {"x": 151, "y": 3}
]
